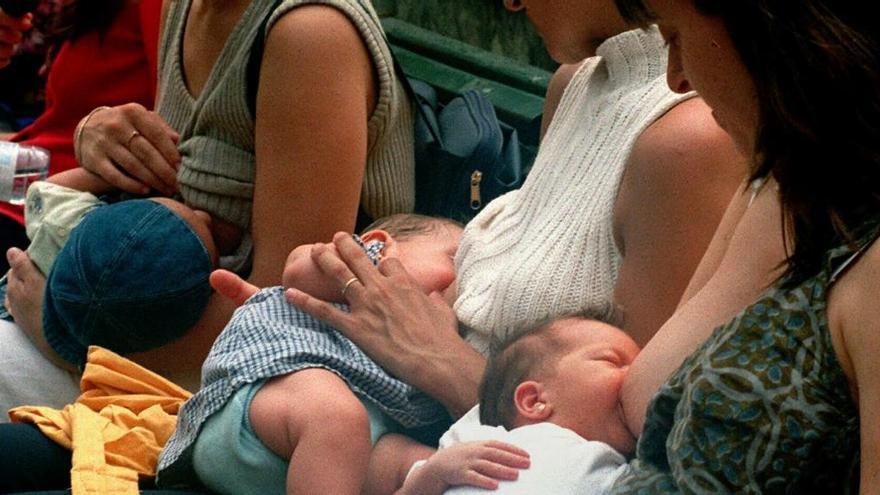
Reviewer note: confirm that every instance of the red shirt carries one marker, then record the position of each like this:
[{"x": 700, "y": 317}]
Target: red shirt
[{"x": 111, "y": 69}]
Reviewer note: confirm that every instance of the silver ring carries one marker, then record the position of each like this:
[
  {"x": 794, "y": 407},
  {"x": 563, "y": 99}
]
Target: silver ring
[
  {"x": 348, "y": 284},
  {"x": 134, "y": 134}
]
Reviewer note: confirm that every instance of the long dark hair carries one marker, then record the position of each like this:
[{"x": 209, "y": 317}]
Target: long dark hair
[
  {"x": 816, "y": 68},
  {"x": 84, "y": 16},
  {"x": 74, "y": 20}
]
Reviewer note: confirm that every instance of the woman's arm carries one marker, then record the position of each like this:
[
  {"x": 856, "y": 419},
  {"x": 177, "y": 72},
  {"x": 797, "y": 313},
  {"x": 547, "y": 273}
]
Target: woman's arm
[
  {"x": 679, "y": 179},
  {"x": 752, "y": 244},
  {"x": 316, "y": 93},
  {"x": 854, "y": 322}
]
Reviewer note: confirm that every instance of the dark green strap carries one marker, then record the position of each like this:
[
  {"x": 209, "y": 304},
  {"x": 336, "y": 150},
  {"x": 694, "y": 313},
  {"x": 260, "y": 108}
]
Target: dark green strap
[
  {"x": 256, "y": 59},
  {"x": 398, "y": 71}
]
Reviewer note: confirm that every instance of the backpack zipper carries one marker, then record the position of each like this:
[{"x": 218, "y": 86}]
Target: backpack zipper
[{"x": 476, "y": 201}]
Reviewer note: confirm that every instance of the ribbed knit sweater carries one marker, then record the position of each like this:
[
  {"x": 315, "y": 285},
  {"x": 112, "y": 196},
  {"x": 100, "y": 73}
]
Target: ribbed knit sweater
[
  {"x": 548, "y": 248},
  {"x": 217, "y": 129}
]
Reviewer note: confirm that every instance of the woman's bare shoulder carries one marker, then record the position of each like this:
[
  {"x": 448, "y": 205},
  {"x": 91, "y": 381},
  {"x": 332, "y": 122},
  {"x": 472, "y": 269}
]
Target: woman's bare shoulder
[
  {"x": 686, "y": 141},
  {"x": 854, "y": 317},
  {"x": 555, "y": 90}
]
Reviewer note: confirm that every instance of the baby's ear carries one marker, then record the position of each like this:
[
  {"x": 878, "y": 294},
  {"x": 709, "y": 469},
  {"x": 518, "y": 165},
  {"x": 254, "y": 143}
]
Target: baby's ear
[
  {"x": 531, "y": 403},
  {"x": 382, "y": 236}
]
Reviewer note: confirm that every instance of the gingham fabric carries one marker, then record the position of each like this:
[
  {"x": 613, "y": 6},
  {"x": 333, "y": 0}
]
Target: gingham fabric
[{"x": 268, "y": 337}]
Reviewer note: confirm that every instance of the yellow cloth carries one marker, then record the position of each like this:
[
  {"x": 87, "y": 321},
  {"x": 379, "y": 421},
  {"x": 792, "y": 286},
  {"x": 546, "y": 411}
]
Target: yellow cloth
[{"x": 117, "y": 426}]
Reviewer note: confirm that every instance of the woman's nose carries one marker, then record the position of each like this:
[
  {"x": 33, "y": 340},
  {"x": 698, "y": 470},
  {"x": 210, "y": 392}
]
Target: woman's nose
[
  {"x": 675, "y": 76},
  {"x": 513, "y": 5}
]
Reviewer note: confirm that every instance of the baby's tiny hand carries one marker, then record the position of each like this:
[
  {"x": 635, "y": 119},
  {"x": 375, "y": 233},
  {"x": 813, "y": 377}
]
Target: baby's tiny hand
[{"x": 478, "y": 464}]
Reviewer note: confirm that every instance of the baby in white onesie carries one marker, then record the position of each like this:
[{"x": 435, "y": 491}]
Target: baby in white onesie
[{"x": 552, "y": 396}]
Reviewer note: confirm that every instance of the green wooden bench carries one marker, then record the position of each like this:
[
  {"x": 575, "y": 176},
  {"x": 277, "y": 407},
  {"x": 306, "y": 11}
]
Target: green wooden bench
[{"x": 516, "y": 90}]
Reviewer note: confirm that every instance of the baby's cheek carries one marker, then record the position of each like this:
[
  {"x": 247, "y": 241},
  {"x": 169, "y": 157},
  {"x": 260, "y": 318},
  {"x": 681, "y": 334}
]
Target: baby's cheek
[{"x": 609, "y": 391}]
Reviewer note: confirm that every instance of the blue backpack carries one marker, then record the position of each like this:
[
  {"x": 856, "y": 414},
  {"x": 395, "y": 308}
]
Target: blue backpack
[{"x": 465, "y": 157}]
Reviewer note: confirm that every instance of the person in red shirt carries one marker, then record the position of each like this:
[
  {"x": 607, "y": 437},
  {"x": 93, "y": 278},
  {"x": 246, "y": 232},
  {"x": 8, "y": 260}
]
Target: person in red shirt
[
  {"x": 11, "y": 33},
  {"x": 107, "y": 55}
]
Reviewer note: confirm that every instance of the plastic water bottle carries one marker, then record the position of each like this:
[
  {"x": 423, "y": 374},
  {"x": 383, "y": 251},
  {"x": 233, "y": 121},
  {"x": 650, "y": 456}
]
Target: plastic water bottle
[{"x": 20, "y": 166}]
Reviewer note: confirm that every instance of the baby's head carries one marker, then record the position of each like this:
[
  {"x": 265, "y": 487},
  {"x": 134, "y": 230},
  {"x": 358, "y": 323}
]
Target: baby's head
[
  {"x": 199, "y": 221},
  {"x": 133, "y": 276},
  {"x": 567, "y": 372},
  {"x": 424, "y": 245}
]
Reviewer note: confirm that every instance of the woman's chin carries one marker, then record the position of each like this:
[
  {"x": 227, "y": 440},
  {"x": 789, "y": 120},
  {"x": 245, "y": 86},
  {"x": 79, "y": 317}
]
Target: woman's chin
[{"x": 566, "y": 53}]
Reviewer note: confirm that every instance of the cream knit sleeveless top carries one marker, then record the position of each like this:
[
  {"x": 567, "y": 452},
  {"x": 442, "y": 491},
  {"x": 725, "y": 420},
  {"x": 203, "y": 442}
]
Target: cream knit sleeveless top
[
  {"x": 217, "y": 130},
  {"x": 548, "y": 248}
]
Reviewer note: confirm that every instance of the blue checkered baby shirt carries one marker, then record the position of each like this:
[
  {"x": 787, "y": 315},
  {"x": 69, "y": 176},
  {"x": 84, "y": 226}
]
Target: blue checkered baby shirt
[{"x": 268, "y": 337}]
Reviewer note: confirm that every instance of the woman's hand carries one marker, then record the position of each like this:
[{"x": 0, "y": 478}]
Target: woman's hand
[
  {"x": 412, "y": 335},
  {"x": 478, "y": 464},
  {"x": 11, "y": 33},
  {"x": 130, "y": 147}
]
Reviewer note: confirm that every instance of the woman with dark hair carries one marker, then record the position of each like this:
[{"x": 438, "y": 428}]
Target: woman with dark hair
[
  {"x": 102, "y": 52},
  {"x": 11, "y": 29},
  {"x": 783, "y": 395}
]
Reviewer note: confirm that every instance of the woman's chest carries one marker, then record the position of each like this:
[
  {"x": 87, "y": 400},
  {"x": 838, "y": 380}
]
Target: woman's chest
[
  {"x": 764, "y": 403},
  {"x": 205, "y": 34}
]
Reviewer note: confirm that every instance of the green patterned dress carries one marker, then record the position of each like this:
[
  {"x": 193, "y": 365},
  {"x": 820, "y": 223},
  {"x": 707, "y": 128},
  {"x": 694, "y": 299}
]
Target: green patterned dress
[{"x": 762, "y": 406}]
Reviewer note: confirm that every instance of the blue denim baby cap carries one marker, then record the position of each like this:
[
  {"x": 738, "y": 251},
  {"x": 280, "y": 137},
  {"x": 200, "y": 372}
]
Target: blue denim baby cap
[{"x": 132, "y": 277}]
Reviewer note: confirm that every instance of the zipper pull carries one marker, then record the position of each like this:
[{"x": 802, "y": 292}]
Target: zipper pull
[{"x": 476, "y": 201}]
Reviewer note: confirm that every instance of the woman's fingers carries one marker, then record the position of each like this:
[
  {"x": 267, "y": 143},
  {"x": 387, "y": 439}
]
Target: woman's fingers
[
  {"x": 129, "y": 145},
  {"x": 133, "y": 166},
  {"x": 328, "y": 259},
  {"x": 332, "y": 265},
  {"x": 346, "y": 262},
  {"x": 392, "y": 267},
  {"x": 352, "y": 254},
  {"x": 107, "y": 170},
  {"x": 155, "y": 130},
  {"x": 150, "y": 149},
  {"x": 319, "y": 309},
  {"x": 157, "y": 146}
]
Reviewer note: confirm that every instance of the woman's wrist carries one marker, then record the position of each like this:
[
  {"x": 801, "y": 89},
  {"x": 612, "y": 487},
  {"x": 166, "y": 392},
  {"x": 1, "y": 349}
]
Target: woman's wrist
[
  {"x": 77, "y": 134},
  {"x": 452, "y": 376}
]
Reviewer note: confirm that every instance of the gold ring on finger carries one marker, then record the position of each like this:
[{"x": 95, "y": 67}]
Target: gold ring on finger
[
  {"x": 348, "y": 284},
  {"x": 133, "y": 135}
]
